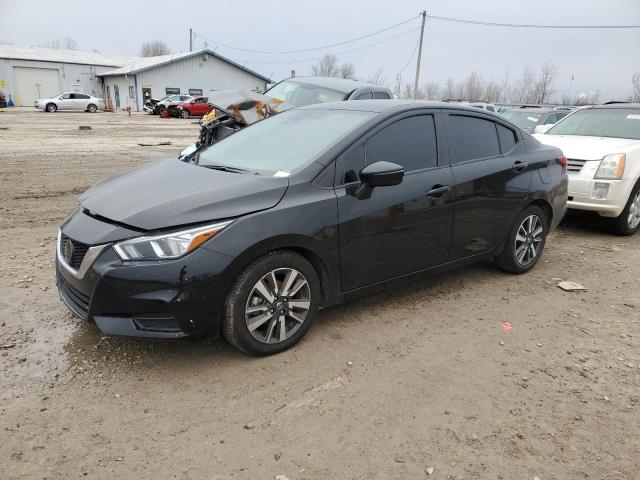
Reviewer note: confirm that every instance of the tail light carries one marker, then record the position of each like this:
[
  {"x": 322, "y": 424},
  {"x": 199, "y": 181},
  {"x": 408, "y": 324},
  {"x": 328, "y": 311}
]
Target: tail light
[{"x": 563, "y": 162}]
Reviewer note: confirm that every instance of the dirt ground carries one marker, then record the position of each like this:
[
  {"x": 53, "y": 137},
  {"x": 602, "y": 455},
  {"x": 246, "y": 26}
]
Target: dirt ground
[{"x": 420, "y": 382}]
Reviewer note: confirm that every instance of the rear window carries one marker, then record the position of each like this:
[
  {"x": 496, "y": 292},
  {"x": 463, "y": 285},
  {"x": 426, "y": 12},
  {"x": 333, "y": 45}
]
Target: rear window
[
  {"x": 474, "y": 137},
  {"x": 600, "y": 122}
]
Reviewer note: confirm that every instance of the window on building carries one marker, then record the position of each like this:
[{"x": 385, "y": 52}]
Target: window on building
[
  {"x": 195, "y": 91},
  {"x": 172, "y": 91},
  {"x": 410, "y": 142},
  {"x": 132, "y": 91},
  {"x": 474, "y": 137}
]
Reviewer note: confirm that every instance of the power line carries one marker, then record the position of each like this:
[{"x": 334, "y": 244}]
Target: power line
[
  {"x": 410, "y": 58},
  {"x": 323, "y": 47},
  {"x": 338, "y": 53},
  {"x": 529, "y": 25}
]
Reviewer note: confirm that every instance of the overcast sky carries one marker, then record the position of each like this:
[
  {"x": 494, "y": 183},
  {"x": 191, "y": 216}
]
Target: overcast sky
[{"x": 598, "y": 59}]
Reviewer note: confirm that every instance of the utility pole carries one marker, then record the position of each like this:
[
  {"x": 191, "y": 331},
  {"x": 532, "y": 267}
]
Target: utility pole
[
  {"x": 191, "y": 40},
  {"x": 415, "y": 85}
]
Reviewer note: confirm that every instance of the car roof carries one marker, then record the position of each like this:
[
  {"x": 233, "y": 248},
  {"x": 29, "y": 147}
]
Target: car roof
[
  {"x": 341, "y": 84},
  {"x": 379, "y": 106},
  {"x": 532, "y": 110}
]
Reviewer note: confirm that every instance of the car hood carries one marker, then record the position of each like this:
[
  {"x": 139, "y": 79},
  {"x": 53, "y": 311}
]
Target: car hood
[
  {"x": 588, "y": 148},
  {"x": 171, "y": 193}
]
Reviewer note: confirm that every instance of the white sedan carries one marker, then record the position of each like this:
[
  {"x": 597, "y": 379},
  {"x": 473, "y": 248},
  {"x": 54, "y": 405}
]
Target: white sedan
[
  {"x": 70, "y": 101},
  {"x": 602, "y": 145}
]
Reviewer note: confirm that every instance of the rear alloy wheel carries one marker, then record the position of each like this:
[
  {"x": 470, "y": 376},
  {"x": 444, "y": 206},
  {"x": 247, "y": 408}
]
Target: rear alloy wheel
[
  {"x": 272, "y": 304},
  {"x": 51, "y": 107},
  {"x": 525, "y": 243},
  {"x": 91, "y": 108},
  {"x": 628, "y": 222},
  {"x": 184, "y": 113}
]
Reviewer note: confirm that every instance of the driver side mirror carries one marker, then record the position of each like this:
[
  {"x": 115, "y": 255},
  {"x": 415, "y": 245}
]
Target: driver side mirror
[
  {"x": 543, "y": 128},
  {"x": 379, "y": 174}
]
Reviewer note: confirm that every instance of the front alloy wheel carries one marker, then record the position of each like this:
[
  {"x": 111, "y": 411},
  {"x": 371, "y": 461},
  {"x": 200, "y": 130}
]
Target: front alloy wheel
[
  {"x": 184, "y": 113},
  {"x": 278, "y": 305},
  {"x": 628, "y": 222},
  {"x": 272, "y": 303}
]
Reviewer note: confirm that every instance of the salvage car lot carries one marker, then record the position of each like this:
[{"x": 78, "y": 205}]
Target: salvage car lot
[{"x": 476, "y": 374}]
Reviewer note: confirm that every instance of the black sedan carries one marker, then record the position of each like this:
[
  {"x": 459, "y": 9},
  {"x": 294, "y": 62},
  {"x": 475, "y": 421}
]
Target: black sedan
[{"x": 304, "y": 210}]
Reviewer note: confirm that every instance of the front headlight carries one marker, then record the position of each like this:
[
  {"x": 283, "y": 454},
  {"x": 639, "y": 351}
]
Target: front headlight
[
  {"x": 169, "y": 245},
  {"x": 611, "y": 167}
]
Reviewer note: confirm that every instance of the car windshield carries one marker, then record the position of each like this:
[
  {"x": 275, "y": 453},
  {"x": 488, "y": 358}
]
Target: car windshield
[
  {"x": 283, "y": 142},
  {"x": 523, "y": 119},
  {"x": 299, "y": 94},
  {"x": 600, "y": 122}
]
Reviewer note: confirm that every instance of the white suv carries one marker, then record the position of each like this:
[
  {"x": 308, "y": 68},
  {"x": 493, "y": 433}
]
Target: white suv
[{"x": 602, "y": 144}]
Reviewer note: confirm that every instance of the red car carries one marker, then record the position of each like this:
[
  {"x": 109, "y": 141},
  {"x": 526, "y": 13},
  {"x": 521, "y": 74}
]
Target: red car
[{"x": 195, "y": 106}]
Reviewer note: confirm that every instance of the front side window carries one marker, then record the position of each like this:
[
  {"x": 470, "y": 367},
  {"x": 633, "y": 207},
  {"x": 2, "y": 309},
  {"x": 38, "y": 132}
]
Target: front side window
[
  {"x": 410, "y": 142},
  {"x": 381, "y": 95},
  {"x": 600, "y": 122},
  {"x": 283, "y": 142},
  {"x": 551, "y": 119},
  {"x": 364, "y": 96},
  {"x": 473, "y": 137}
]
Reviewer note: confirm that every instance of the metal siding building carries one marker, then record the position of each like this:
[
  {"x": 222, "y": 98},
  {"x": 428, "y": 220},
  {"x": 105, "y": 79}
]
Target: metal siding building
[
  {"x": 197, "y": 73},
  {"x": 27, "y": 74}
]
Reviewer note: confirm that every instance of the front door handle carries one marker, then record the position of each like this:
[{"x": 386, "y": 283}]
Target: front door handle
[
  {"x": 520, "y": 166},
  {"x": 438, "y": 190}
]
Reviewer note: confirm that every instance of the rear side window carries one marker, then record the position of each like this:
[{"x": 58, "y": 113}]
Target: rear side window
[
  {"x": 410, "y": 142},
  {"x": 364, "y": 96},
  {"x": 381, "y": 95},
  {"x": 507, "y": 138},
  {"x": 473, "y": 137}
]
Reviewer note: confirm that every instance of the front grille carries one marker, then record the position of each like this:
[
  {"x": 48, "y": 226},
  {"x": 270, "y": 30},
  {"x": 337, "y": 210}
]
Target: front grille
[
  {"x": 78, "y": 251},
  {"x": 574, "y": 165},
  {"x": 77, "y": 301}
]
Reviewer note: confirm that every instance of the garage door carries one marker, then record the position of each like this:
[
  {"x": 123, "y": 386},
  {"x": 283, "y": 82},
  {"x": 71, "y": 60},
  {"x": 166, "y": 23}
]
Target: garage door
[{"x": 33, "y": 83}]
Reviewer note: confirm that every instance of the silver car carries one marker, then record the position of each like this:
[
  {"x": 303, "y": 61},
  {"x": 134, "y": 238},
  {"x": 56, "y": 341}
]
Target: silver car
[{"x": 70, "y": 101}]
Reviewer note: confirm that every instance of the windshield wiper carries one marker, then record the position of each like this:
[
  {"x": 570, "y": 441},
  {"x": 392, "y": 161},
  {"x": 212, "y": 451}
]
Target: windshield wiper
[{"x": 226, "y": 168}]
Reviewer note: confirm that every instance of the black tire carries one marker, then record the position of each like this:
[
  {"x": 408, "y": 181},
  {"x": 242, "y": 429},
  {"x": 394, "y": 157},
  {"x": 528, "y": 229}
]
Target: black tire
[
  {"x": 91, "y": 108},
  {"x": 621, "y": 225},
  {"x": 184, "y": 113},
  {"x": 51, "y": 107},
  {"x": 235, "y": 328},
  {"x": 161, "y": 109},
  {"x": 509, "y": 260}
]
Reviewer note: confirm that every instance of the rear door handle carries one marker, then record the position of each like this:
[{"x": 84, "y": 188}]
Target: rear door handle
[
  {"x": 520, "y": 166},
  {"x": 438, "y": 191}
]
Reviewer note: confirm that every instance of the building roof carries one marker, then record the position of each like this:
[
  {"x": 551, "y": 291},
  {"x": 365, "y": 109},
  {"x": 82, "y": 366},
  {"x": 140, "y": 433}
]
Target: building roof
[
  {"x": 65, "y": 56},
  {"x": 142, "y": 64}
]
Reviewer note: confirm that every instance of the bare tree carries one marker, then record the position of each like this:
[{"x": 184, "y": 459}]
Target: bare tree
[
  {"x": 504, "y": 94},
  {"x": 327, "y": 66},
  {"x": 524, "y": 90},
  {"x": 543, "y": 88},
  {"x": 347, "y": 70},
  {"x": 635, "y": 80},
  {"x": 492, "y": 92},
  {"x": 55, "y": 44},
  {"x": 431, "y": 91},
  {"x": 450, "y": 89},
  {"x": 587, "y": 98},
  {"x": 154, "y": 48},
  {"x": 377, "y": 78},
  {"x": 69, "y": 43},
  {"x": 396, "y": 89},
  {"x": 472, "y": 87}
]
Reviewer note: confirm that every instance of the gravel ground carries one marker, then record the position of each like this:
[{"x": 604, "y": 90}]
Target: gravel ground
[{"x": 423, "y": 381}]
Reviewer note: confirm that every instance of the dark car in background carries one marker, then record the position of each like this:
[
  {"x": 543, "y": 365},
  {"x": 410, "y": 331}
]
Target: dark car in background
[
  {"x": 528, "y": 118},
  {"x": 303, "y": 210}
]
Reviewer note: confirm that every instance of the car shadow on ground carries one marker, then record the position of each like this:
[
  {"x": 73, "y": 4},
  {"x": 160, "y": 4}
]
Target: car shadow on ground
[
  {"x": 586, "y": 223},
  {"x": 88, "y": 346}
]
